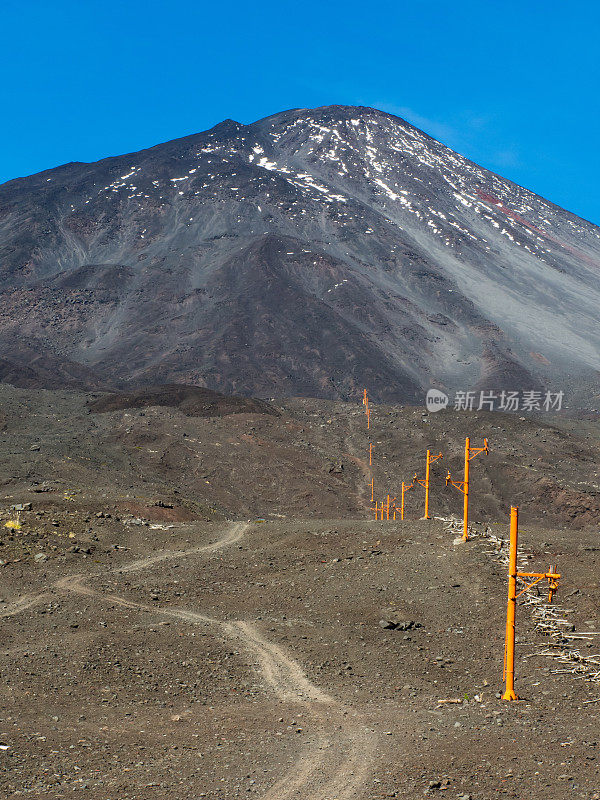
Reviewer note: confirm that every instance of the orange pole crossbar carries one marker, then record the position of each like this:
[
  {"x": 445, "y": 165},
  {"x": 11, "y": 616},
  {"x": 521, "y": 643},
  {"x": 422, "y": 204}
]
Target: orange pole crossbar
[{"x": 551, "y": 575}]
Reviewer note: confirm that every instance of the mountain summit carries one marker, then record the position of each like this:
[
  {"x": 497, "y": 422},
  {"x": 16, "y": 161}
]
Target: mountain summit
[{"x": 311, "y": 253}]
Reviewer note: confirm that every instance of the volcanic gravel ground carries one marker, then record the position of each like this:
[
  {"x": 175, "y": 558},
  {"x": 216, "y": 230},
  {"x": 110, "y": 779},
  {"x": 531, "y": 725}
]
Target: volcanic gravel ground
[
  {"x": 160, "y": 465},
  {"x": 232, "y": 659}
]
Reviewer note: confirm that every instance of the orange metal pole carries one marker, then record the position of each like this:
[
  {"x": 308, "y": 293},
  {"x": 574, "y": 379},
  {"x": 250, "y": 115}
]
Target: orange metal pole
[
  {"x": 509, "y": 646},
  {"x": 465, "y": 535},
  {"x": 388, "y": 506},
  {"x": 368, "y": 415},
  {"x": 426, "y": 515},
  {"x": 402, "y": 503},
  {"x": 370, "y": 453},
  {"x": 372, "y": 488}
]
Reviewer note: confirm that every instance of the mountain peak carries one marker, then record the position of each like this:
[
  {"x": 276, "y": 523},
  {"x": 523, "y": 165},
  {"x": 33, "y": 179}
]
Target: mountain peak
[{"x": 311, "y": 252}]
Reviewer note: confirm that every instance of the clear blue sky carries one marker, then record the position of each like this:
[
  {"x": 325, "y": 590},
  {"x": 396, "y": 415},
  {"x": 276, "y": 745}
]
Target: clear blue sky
[{"x": 512, "y": 85}]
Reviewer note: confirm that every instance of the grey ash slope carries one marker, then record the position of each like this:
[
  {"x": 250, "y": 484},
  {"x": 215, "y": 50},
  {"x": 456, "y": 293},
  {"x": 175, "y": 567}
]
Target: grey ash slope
[{"x": 310, "y": 253}]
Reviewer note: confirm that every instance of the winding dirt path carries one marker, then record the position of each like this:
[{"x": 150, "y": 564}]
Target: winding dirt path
[
  {"x": 23, "y": 603},
  {"x": 233, "y": 534},
  {"x": 336, "y": 762}
]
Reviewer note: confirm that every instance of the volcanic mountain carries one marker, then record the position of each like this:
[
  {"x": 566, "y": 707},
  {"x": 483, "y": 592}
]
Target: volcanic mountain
[{"x": 311, "y": 253}]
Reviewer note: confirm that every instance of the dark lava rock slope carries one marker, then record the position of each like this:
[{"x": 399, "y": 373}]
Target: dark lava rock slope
[{"x": 308, "y": 254}]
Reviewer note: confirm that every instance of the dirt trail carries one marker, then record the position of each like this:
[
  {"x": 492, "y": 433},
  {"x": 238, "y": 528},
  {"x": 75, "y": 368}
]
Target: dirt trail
[
  {"x": 22, "y": 604},
  {"x": 336, "y": 762},
  {"x": 233, "y": 534},
  {"x": 335, "y": 765}
]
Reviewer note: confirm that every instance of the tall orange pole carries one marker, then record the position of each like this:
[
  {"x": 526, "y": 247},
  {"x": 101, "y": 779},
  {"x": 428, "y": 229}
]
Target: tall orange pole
[
  {"x": 426, "y": 515},
  {"x": 372, "y": 488},
  {"x": 388, "y": 506},
  {"x": 370, "y": 453},
  {"x": 465, "y": 535},
  {"x": 463, "y": 486},
  {"x": 368, "y": 415},
  {"x": 425, "y": 483},
  {"x": 551, "y": 576},
  {"x": 509, "y": 645}
]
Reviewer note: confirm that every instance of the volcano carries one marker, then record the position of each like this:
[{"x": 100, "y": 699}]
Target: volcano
[{"x": 310, "y": 253}]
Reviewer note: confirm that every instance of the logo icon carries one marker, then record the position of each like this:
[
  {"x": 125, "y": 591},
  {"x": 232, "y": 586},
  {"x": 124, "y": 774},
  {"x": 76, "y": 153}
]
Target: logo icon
[{"x": 436, "y": 400}]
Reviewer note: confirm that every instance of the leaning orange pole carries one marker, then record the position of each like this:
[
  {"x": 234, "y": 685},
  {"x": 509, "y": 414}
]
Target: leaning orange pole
[{"x": 509, "y": 646}]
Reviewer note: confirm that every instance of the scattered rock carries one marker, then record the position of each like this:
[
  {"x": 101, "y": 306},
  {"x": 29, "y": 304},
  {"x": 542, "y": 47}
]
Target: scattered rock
[
  {"x": 408, "y": 625},
  {"x": 21, "y": 507},
  {"x": 43, "y": 487}
]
